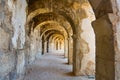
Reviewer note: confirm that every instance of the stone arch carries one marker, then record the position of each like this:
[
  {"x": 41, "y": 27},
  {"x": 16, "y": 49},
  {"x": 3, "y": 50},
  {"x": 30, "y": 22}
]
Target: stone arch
[
  {"x": 74, "y": 18},
  {"x": 97, "y": 7},
  {"x": 65, "y": 37},
  {"x": 55, "y": 37},
  {"x": 47, "y": 30},
  {"x": 106, "y": 28},
  {"x": 57, "y": 28},
  {"x": 53, "y": 32},
  {"x": 55, "y": 20},
  {"x": 69, "y": 21},
  {"x": 49, "y": 34}
]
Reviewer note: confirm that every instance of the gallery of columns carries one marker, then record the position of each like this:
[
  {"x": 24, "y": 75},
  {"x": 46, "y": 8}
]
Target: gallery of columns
[{"x": 86, "y": 32}]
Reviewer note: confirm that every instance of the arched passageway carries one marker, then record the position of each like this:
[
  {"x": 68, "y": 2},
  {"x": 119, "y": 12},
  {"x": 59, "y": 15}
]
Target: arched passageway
[
  {"x": 74, "y": 23},
  {"x": 85, "y": 31}
]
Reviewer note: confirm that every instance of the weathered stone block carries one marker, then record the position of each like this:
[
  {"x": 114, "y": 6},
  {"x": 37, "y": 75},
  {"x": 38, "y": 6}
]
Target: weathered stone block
[
  {"x": 7, "y": 63},
  {"x": 4, "y": 40}
]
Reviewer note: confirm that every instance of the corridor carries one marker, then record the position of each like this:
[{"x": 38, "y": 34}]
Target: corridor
[
  {"x": 52, "y": 67},
  {"x": 34, "y": 33}
]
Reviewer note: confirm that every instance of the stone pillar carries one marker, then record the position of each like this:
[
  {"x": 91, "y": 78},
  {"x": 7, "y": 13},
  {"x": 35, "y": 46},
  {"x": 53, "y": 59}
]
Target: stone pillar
[
  {"x": 45, "y": 47},
  {"x": 58, "y": 45},
  {"x": 40, "y": 46},
  {"x": 84, "y": 49},
  {"x": 66, "y": 48},
  {"x": 70, "y": 51},
  {"x": 77, "y": 57},
  {"x": 32, "y": 52},
  {"x": 105, "y": 54},
  {"x": 50, "y": 46},
  {"x": 39, "y": 53}
]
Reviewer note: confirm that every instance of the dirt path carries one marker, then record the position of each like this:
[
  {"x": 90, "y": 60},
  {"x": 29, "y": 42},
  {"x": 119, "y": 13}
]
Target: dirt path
[{"x": 51, "y": 67}]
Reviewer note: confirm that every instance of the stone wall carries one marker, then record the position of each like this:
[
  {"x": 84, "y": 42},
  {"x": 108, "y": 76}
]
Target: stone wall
[
  {"x": 12, "y": 37},
  {"x": 111, "y": 8},
  {"x": 87, "y": 47},
  {"x": 115, "y": 19},
  {"x": 18, "y": 48},
  {"x": 34, "y": 46}
]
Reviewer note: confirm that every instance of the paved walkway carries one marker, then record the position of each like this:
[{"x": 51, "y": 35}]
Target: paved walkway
[{"x": 52, "y": 67}]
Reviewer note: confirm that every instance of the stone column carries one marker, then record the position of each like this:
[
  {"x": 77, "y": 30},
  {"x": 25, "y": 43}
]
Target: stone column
[
  {"x": 58, "y": 45},
  {"x": 50, "y": 46},
  {"x": 45, "y": 47},
  {"x": 66, "y": 48},
  {"x": 77, "y": 57},
  {"x": 70, "y": 51},
  {"x": 39, "y": 53},
  {"x": 105, "y": 54},
  {"x": 40, "y": 46},
  {"x": 84, "y": 49}
]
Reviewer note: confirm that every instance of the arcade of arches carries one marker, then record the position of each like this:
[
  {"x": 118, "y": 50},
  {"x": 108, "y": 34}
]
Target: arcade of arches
[{"x": 87, "y": 32}]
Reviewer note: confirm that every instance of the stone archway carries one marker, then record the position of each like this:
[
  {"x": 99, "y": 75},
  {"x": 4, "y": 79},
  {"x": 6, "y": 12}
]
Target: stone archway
[
  {"x": 107, "y": 15},
  {"x": 74, "y": 19},
  {"x": 56, "y": 47}
]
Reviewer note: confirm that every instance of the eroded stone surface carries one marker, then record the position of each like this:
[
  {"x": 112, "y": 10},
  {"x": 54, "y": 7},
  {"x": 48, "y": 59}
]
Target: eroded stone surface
[
  {"x": 7, "y": 63},
  {"x": 12, "y": 37},
  {"x": 88, "y": 48},
  {"x": 104, "y": 49},
  {"x": 21, "y": 44},
  {"x": 4, "y": 40}
]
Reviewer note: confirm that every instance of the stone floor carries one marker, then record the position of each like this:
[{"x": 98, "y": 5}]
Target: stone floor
[{"x": 52, "y": 67}]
